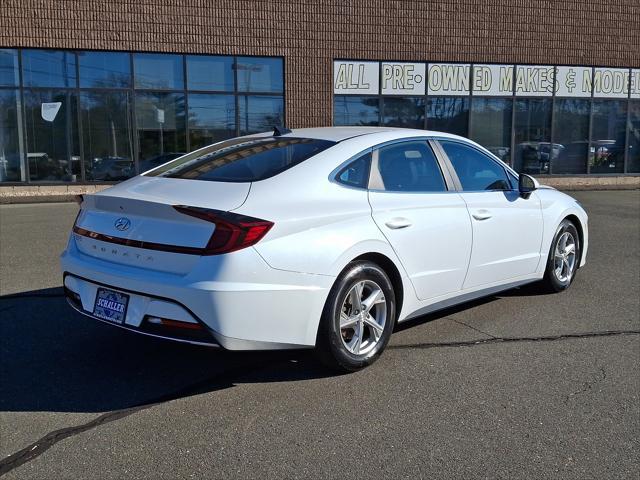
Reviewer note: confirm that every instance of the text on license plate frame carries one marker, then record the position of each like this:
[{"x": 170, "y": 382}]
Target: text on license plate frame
[{"x": 111, "y": 305}]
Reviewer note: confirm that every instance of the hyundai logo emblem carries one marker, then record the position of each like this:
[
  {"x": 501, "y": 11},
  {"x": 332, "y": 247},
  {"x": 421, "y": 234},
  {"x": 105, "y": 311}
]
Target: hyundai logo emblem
[{"x": 122, "y": 224}]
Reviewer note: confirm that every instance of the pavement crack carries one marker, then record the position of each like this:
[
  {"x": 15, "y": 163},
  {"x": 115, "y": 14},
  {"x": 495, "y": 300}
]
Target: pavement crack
[
  {"x": 218, "y": 382},
  {"x": 460, "y": 322},
  {"x": 601, "y": 376},
  {"x": 485, "y": 341}
]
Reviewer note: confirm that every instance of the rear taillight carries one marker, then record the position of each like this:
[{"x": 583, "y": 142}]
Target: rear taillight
[{"x": 232, "y": 232}]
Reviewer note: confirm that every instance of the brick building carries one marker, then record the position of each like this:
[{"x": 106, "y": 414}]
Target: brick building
[{"x": 95, "y": 91}]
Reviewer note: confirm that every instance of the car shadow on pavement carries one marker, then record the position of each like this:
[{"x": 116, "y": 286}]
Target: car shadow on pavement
[
  {"x": 55, "y": 359},
  {"x": 528, "y": 290}
]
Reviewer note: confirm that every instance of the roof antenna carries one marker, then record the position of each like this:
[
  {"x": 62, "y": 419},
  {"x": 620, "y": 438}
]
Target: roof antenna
[{"x": 279, "y": 131}]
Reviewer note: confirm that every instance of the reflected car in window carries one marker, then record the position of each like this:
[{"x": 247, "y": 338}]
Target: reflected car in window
[
  {"x": 322, "y": 237},
  {"x": 110, "y": 169}
]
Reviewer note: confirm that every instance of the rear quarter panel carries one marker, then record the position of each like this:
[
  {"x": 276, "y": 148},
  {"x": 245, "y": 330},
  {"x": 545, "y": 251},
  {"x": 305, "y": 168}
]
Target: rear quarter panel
[{"x": 319, "y": 224}]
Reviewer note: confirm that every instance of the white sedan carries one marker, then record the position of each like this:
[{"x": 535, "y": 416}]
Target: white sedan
[{"x": 323, "y": 237}]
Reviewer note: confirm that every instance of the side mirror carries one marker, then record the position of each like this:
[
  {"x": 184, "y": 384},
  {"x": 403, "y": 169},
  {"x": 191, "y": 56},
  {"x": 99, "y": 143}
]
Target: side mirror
[{"x": 526, "y": 185}]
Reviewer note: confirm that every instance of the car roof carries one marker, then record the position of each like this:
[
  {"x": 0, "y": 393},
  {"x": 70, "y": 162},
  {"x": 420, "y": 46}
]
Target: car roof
[{"x": 338, "y": 134}]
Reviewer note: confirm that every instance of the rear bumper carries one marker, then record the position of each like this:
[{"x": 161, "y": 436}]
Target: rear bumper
[
  {"x": 240, "y": 301},
  {"x": 195, "y": 333}
]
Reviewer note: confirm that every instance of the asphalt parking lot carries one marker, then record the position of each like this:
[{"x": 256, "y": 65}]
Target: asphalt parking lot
[{"x": 518, "y": 385}]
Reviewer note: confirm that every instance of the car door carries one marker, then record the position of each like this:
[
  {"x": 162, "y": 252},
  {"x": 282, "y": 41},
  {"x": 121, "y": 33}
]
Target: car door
[
  {"x": 507, "y": 227},
  {"x": 425, "y": 222}
]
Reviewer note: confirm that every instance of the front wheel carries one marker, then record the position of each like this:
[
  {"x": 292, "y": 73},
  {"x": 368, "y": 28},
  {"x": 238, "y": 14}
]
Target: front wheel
[
  {"x": 357, "y": 319},
  {"x": 563, "y": 259}
]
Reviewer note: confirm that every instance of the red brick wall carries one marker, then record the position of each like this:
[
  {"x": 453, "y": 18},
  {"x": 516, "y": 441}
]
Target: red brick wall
[{"x": 309, "y": 34}]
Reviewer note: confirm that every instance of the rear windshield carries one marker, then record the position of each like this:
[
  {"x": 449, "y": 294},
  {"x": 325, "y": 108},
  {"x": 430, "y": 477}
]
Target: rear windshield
[{"x": 243, "y": 159}]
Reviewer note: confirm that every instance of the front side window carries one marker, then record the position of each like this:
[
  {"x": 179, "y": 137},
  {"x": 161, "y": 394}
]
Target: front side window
[
  {"x": 243, "y": 159},
  {"x": 410, "y": 167},
  {"x": 476, "y": 171}
]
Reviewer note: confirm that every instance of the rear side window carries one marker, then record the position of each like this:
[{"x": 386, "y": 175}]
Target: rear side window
[
  {"x": 475, "y": 170},
  {"x": 410, "y": 167},
  {"x": 243, "y": 159},
  {"x": 356, "y": 174}
]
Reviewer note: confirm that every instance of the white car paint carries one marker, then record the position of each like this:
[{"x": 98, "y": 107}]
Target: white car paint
[{"x": 457, "y": 246}]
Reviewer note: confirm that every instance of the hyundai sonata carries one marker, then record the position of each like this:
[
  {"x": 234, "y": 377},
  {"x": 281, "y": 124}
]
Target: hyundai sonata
[{"x": 324, "y": 237}]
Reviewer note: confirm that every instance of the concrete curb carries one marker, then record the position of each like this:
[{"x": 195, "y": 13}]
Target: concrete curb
[
  {"x": 66, "y": 193},
  {"x": 45, "y": 193}
]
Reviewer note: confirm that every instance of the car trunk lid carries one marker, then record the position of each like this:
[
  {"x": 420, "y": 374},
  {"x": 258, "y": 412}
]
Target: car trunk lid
[{"x": 135, "y": 223}]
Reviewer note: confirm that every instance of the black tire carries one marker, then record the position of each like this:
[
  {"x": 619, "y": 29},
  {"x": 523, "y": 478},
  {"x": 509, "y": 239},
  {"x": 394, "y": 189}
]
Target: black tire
[
  {"x": 552, "y": 282},
  {"x": 330, "y": 345}
]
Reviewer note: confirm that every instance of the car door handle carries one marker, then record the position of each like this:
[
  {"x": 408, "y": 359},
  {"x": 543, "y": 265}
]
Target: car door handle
[
  {"x": 481, "y": 215},
  {"x": 398, "y": 222}
]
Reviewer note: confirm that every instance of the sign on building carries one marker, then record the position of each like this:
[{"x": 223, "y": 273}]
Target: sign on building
[
  {"x": 534, "y": 80},
  {"x": 449, "y": 79},
  {"x": 574, "y": 81},
  {"x": 492, "y": 80},
  {"x": 611, "y": 82},
  {"x": 488, "y": 80},
  {"x": 400, "y": 78},
  {"x": 355, "y": 77},
  {"x": 635, "y": 83}
]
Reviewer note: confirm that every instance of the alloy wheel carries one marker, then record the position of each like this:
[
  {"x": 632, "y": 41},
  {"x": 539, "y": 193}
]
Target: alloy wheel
[
  {"x": 564, "y": 257},
  {"x": 363, "y": 317}
]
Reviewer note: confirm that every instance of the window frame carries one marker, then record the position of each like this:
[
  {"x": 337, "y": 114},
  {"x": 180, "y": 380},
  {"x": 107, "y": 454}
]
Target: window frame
[{"x": 508, "y": 172}]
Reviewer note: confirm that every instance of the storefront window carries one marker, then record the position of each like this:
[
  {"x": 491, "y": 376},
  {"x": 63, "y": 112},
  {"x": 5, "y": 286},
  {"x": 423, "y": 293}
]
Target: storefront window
[
  {"x": 532, "y": 131},
  {"x": 106, "y": 135},
  {"x": 160, "y": 120},
  {"x": 211, "y": 118},
  {"x": 104, "y": 69},
  {"x": 105, "y": 116},
  {"x": 9, "y": 68},
  {"x": 608, "y": 132},
  {"x": 158, "y": 71},
  {"x": 571, "y": 134},
  {"x": 48, "y": 68},
  {"x": 11, "y": 154},
  {"x": 403, "y": 112},
  {"x": 52, "y": 143},
  {"x": 491, "y": 125},
  {"x": 205, "y": 72},
  {"x": 259, "y": 113},
  {"x": 448, "y": 114},
  {"x": 633, "y": 163},
  {"x": 258, "y": 74},
  {"x": 356, "y": 111}
]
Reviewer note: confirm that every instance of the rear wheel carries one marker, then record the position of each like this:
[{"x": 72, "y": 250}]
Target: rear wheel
[
  {"x": 563, "y": 259},
  {"x": 357, "y": 319}
]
